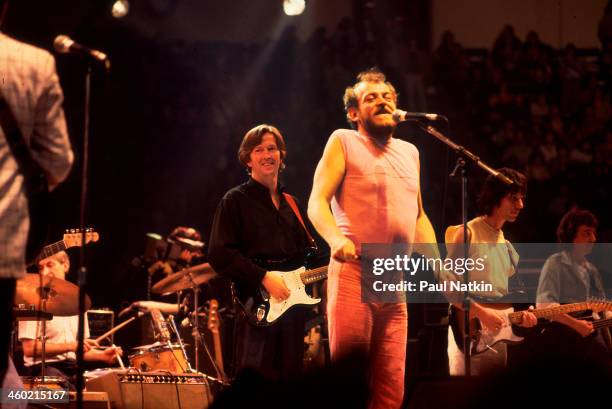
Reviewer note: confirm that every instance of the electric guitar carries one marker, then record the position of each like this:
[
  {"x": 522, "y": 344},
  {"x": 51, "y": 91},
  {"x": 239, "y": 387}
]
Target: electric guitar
[
  {"x": 483, "y": 338},
  {"x": 213, "y": 326},
  {"x": 72, "y": 238},
  {"x": 263, "y": 310}
]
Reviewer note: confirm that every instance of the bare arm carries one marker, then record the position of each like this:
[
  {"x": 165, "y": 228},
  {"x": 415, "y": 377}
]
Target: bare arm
[
  {"x": 51, "y": 348},
  {"x": 582, "y": 327},
  {"x": 425, "y": 236},
  {"x": 328, "y": 176}
]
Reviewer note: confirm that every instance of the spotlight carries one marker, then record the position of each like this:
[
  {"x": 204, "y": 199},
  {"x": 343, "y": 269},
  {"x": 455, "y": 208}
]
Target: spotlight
[
  {"x": 294, "y": 7},
  {"x": 120, "y": 8}
]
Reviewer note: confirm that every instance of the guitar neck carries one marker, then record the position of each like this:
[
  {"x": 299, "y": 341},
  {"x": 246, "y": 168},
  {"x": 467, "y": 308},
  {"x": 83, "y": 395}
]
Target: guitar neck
[
  {"x": 548, "y": 312},
  {"x": 218, "y": 352},
  {"x": 52, "y": 249},
  {"x": 314, "y": 275},
  {"x": 602, "y": 323}
]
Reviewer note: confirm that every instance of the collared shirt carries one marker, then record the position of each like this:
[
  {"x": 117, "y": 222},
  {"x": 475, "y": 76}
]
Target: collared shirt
[
  {"x": 247, "y": 227},
  {"x": 563, "y": 280}
]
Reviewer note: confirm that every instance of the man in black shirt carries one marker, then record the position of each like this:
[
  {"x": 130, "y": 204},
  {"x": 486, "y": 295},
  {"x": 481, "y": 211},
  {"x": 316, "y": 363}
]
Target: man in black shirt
[{"x": 255, "y": 234}]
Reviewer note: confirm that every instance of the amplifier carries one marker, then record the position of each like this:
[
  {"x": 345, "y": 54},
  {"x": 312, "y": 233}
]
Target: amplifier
[
  {"x": 101, "y": 321},
  {"x": 128, "y": 389}
]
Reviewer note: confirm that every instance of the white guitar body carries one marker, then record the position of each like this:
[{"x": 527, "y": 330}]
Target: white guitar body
[
  {"x": 298, "y": 295},
  {"x": 487, "y": 338}
]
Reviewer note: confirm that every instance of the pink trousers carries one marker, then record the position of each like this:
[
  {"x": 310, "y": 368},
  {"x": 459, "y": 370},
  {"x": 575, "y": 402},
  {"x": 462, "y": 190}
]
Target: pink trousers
[{"x": 379, "y": 329}]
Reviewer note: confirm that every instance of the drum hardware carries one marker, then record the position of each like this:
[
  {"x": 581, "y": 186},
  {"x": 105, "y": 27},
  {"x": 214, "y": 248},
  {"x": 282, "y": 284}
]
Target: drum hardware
[
  {"x": 185, "y": 279},
  {"x": 60, "y": 295},
  {"x": 189, "y": 278},
  {"x": 180, "y": 341}
]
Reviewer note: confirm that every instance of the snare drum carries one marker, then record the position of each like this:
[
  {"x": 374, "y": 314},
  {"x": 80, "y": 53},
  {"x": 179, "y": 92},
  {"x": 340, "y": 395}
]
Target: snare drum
[{"x": 160, "y": 357}]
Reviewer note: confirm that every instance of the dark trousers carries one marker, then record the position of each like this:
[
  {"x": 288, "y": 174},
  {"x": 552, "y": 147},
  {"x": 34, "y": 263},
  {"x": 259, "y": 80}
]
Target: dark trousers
[
  {"x": 7, "y": 295},
  {"x": 276, "y": 351}
]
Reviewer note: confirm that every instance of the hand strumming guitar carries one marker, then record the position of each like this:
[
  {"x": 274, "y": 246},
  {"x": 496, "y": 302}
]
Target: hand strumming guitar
[{"x": 275, "y": 286}]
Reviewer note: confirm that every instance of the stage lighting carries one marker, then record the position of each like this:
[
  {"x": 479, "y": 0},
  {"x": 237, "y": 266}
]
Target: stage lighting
[
  {"x": 294, "y": 7},
  {"x": 120, "y": 8}
]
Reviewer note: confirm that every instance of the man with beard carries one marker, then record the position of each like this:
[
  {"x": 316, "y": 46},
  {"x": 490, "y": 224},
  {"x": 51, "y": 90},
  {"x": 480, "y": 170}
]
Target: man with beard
[{"x": 371, "y": 181}]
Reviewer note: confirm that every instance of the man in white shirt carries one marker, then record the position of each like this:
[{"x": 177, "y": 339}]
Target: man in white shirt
[{"x": 61, "y": 333}]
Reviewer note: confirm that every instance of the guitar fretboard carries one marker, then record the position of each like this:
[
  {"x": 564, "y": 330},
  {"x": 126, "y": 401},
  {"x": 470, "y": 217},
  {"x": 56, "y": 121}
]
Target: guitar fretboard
[
  {"x": 316, "y": 274},
  {"x": 51, "y": 249},
  {"x": 516, "y": 317},
  {"x": 602, "y": 323}
]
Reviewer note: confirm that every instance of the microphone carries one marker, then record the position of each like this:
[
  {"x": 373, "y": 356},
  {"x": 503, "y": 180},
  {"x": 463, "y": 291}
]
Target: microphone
[
  {"x": 64, "y": 45},
  {"x": 401, "y": 116}
]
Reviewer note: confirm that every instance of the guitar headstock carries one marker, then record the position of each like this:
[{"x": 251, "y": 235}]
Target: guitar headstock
[
  {"x": 74, "y": 237},
  {"x": 599, "y": 305},
  {"x": 213, "y": 316}
]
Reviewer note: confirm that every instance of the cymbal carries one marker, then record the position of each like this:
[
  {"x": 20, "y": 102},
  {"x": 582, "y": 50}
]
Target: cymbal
[
  {"x": 62, "y": 296},
  {"x": 188, "y": 278}
]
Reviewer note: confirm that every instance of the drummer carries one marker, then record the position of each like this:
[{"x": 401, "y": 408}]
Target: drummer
[{"x": 61, "y": 334}]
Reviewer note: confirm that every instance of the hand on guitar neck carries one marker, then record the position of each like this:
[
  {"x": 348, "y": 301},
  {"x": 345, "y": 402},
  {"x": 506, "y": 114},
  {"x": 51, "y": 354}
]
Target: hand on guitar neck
[{"x": 582, "y": 327}]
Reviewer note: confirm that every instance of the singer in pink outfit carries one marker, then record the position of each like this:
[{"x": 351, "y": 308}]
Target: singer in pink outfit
[{"x": 366, "y": 190}]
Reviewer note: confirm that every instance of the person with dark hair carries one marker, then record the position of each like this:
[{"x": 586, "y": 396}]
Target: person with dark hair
[
  {"x": 32, "y": 94},
  {"x": 498, "y": 203},
  {"x": 568, "y": 277},
  {"x": 372, "y": 182},
  {"x": 255, "y": 234}
]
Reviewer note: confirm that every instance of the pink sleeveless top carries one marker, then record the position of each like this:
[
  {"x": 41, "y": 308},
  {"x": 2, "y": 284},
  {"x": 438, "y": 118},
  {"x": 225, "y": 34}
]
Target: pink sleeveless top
[{"x": 377, "y": 200}]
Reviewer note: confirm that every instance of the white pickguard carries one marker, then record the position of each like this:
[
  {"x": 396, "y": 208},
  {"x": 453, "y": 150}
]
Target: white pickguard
[
  {"x": 488, "y": 338},
  {"x": 297, "y": 296}
]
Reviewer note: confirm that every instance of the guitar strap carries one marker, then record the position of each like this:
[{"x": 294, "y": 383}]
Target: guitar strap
[
  {"x": 293, "y": 205},
  {"x": 35, "y": 182}
]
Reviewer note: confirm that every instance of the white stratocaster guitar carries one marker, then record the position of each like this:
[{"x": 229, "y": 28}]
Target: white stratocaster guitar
[{"x": 483, "y": 339}]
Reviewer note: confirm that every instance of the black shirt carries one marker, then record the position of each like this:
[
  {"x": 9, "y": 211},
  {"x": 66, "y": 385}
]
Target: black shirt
[{"x": 249, "y": 236}]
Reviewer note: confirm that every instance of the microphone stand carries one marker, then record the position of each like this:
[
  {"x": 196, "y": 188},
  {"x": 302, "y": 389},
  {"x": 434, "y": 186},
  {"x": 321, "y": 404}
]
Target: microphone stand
[
  {"x": 465, "y": 158},
  {"x": 82, "y": 270}
]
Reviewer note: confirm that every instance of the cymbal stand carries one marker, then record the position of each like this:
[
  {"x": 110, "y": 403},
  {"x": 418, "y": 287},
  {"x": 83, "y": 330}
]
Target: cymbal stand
[
  {"x": 196, "y": 329},
  {"x": 43, "y": 339},
  {"x": 180, "y": 341}
]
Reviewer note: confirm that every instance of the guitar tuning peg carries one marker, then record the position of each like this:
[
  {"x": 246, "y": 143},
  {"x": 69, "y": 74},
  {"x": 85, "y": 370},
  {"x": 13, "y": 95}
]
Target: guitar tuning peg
[{"x": 66, "y": 231}]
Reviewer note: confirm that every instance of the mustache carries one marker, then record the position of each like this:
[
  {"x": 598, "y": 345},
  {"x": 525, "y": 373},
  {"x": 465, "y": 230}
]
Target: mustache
[{"x": 383, "y": 110}]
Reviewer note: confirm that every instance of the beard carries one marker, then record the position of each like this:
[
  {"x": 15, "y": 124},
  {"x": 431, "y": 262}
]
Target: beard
[{"x": 381, "y": 132}]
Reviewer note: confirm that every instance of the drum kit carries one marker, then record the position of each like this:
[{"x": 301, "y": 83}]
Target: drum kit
[
  {"x": 39, "y": 298},
  {"x": 46, "y": 296}
]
